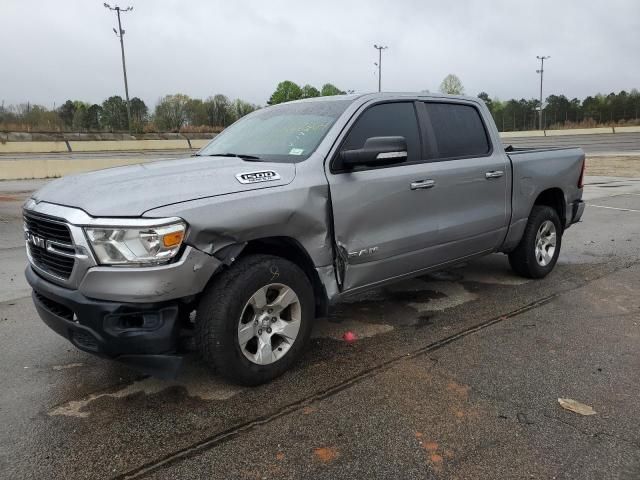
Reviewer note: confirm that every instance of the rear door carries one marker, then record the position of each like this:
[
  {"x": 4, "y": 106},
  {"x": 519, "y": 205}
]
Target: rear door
[
  {"x": 383, "y": 225},
  {"x": 471, "y": 178}
]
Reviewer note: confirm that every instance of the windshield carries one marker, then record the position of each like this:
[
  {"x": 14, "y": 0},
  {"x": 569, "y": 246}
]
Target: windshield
[{"x": 282, "y": 133}]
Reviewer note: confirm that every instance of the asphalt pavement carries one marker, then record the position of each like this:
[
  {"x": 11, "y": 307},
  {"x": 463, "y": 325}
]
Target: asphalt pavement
[{"x": 454, "y": 375}]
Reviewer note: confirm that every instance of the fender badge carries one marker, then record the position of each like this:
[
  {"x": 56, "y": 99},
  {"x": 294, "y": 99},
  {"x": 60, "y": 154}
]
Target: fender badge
[{"x": 256, "y": 177}]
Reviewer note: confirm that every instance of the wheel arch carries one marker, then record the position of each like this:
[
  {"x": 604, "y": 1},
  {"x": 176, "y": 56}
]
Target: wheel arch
[
  {"x": 290, "y": 249},
  {"x": 554, "y": 198}
]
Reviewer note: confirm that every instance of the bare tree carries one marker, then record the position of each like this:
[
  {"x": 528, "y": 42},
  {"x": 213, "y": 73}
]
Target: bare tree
[
  {"x": 452, "y": 85},
  {"x": 171, "y": 112}
]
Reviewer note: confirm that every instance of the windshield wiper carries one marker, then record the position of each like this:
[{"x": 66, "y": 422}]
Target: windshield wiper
[{"x": 237, "y": 155}]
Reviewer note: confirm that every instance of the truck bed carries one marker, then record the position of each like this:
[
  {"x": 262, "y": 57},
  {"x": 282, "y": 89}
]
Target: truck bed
[{"x": 538, "y": 169}]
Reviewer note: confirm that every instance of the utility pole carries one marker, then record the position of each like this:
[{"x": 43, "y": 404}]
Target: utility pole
[
  {"x": 120, "y": 34},
  {"x": 541, "y": 72},
  {"x": 379, "y": 64}
]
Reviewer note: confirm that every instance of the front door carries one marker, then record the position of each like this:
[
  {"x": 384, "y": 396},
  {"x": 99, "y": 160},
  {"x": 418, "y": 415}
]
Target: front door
[{"x": 384, "y": 217}]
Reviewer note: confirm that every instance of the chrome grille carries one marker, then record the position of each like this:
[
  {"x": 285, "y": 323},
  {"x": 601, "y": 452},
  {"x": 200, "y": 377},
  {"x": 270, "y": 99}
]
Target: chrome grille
[{"x": 54, "y": 253}]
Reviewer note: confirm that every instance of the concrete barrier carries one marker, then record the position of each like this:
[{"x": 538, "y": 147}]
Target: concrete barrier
[
  {"x": 128, "y": 145},
  {"x": 33, "y": 147},
  {"x": 528, "y": 133},
  {"x": 54, "y": 167},
  {"x": 578, "y": 131},
  {"x": 568, "y": 131},
  {"x": 635, "y": 129},
  {"x": 99, "y": 145},
  {"x": 199, "y": 143}
]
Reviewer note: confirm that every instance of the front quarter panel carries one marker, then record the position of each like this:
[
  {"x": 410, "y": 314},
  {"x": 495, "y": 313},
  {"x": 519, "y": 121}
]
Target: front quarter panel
[{"x": 299, "y": 210}]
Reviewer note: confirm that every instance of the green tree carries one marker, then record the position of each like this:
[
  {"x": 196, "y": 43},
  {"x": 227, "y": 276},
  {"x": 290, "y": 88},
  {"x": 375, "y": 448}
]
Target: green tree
[
  {"x": 139, "y": 114},
  {"x": 285, "y": 92},
  {"x": 484, "y": 96},
  {"x": 171, "y": 112},
  {"x": 79, "y": 117},
  {"x": 93, "y": 117},
  {"x": 634, "y": 103},
  {"x": 328, "y": 90},
  {"x": 452, "y": 85},
  {"x": 196, "y": 112},
  {"x": 66, "y": 111},
  {"x": 114, "y": 114},
  {"x": 309, "y": 91}
]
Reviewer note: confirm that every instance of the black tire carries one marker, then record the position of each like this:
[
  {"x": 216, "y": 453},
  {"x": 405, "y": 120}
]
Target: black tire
[
  {"x": 222, "y": 304},
  {"x": 523, "y": 259}
]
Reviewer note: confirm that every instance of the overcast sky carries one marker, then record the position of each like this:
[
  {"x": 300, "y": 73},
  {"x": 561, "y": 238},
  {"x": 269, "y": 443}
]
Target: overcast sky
[{"x": 52, "y": 51}]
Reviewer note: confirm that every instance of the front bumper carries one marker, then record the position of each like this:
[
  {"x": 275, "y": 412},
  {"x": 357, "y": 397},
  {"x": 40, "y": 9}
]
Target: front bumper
[{"x": 143, "y": 335}]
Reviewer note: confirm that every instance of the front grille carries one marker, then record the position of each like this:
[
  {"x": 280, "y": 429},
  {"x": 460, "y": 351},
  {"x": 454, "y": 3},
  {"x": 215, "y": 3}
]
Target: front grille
[
  {"x": 50, "y": 230},
  {"x": 55, "y": 307}
]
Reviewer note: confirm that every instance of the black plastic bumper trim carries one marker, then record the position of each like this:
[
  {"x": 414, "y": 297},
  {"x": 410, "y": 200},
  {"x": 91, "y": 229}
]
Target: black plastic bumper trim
[{"x": 91, "y": 327}]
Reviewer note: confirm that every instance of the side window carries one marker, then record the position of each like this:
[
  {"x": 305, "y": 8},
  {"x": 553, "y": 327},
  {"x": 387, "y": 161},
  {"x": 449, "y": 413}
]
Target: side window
[
  {"x": 385, "y": 120},
  {"x": 458, "y": 130}
]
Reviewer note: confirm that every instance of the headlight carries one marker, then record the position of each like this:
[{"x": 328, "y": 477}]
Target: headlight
[{"x": 136, "y": 245}]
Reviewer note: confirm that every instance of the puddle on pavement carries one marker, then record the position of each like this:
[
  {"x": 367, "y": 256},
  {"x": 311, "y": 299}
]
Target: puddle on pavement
[
  {"x": 409, "y": 302},
  {"x": 398, "y": 305},
  {"x": 454, "y": 294},
  {"x": 197, "y": 381},
  {"x": 491, "y": 270}
]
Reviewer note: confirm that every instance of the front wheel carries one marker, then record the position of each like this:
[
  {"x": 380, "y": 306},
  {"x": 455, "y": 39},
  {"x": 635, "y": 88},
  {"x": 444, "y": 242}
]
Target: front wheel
[
  {"x": 538, "y": 250},
  {"x": 254, "y": 320}
]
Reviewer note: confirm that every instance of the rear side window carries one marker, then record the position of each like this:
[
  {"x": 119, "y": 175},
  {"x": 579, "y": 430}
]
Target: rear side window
[
  {"x": 385, "y": 120},
  {"x": 458, "y": 131}
]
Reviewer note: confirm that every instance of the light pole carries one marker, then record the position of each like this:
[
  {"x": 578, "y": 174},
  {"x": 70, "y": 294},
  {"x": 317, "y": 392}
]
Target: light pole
[
  {"x": 379, "y": 64},
  {"x": 541, "y": 72},
  {"x": 120, "y": 33}
]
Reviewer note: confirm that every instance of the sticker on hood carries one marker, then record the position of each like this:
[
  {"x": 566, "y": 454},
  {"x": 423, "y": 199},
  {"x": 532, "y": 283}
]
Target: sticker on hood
[{"x": 259, "y": 176}]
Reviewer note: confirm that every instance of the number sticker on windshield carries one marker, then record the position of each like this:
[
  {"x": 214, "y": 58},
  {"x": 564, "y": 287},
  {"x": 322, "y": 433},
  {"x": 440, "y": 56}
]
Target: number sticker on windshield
[{"x": 296, "y": 151}]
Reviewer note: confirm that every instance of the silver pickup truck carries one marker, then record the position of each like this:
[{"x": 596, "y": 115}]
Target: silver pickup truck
[{"x": 284, "y": 213}]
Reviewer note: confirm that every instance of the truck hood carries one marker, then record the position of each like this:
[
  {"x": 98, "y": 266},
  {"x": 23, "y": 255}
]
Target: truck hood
[{"x": 132, "y": 190}]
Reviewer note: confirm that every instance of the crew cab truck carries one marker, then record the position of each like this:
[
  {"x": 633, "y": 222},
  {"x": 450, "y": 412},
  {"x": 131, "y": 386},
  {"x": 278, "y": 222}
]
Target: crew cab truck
[{"x": 284, "y": 213}]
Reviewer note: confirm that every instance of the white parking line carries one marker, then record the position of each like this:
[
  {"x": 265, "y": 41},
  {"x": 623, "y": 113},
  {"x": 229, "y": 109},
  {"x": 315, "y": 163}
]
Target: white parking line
[{"x": 614, "y": 208}]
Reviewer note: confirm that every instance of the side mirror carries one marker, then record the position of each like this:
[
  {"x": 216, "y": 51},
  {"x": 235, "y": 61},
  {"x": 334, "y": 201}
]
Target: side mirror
[{"x": 376, "y": 151}]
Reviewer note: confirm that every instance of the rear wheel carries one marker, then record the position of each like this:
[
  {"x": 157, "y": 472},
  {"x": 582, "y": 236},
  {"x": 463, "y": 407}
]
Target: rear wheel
[
  {"x": 254, "y": 320},
  {"x": 538, "y": 250}
]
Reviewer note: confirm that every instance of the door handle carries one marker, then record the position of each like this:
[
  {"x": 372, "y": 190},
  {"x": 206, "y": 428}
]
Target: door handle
[
  {"x": 494, "y": 174},
  {"x": 422, "y": 184}
]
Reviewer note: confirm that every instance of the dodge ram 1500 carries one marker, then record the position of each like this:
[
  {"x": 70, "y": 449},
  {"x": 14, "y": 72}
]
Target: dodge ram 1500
[{"x": 282, "y": 214}]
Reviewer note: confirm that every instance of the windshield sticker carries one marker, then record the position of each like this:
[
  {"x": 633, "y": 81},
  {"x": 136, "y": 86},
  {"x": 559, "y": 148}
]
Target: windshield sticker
[
  {"x": 256, "y": 177},
  {"x": 296, "y": 151}
]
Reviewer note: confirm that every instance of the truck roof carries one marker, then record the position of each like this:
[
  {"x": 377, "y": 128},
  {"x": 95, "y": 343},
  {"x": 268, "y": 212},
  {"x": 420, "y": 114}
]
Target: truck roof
[{"x": 382, "y": 95}]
